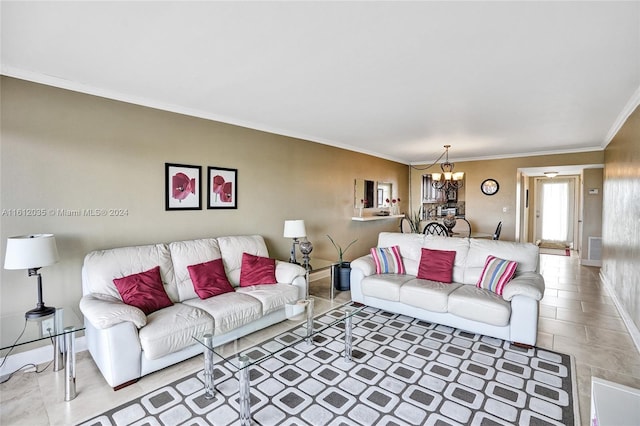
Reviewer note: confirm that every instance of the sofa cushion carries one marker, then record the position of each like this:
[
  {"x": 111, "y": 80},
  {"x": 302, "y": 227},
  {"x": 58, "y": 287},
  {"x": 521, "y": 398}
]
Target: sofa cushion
[
  {"x": 172, "y": 329},
  {"x": 409, "y": 245},
  {"x": 272, "y": 296},
  {"x": 232, "y": 248},
  {"x": 459, "y": 245},
  {"x": 473, "y": 303},
  {"x": 430, "y": 295},
  {"x": 388, "y": 260},
  {"x": 192, "y": 252},
  {"x": 526, "y": 254},
  {"x": 257, "y": 270},
  {"x": 229, "y": 310},
  {"x": 102, "y": 266},
  {"x": 496, "y": 274},
  {"x": 436, "y": 265},
  {"x": 209, "y": 279},
  {"x": 143, "y": 290},
  {"x": 386, "y": 287}
]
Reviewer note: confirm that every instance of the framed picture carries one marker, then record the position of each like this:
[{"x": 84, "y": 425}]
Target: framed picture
[
  {"x": 182, "y": 187},
  {"x": 222, "y": 188}
]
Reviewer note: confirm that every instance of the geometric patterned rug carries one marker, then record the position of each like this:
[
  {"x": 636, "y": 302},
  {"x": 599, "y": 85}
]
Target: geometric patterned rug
[{"x": 404, "y": 372}]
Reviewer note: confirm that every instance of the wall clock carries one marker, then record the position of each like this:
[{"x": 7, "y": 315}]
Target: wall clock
[{"x": 489, "y": 186}]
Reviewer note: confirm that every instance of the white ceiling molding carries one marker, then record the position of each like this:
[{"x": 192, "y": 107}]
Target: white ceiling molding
[{"x": 631, "y": 106}]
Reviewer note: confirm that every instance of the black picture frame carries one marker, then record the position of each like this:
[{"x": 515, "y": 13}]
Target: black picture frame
[
  {"x": 489, "y": 187},
  {"x": 222, "y": 188},
  {"x": 183, "y": 187}
]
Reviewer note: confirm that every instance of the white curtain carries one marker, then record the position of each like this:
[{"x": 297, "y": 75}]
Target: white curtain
[{"x": 556, "y": 210}]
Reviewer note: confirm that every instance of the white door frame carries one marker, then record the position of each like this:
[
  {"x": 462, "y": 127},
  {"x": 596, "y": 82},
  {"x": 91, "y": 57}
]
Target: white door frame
[{"x": 575, "y": 220}]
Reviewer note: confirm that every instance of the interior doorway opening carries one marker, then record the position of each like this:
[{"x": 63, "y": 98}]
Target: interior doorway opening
[{"x": 556, "y": 212}]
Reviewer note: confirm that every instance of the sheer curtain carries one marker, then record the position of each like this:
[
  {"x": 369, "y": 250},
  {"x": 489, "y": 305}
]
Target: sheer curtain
[{"x": 556, "y": 210}]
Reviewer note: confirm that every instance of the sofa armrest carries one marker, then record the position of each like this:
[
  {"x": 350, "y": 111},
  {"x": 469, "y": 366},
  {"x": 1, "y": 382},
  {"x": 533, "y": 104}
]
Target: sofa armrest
[
  {"x": 104, "y": 311},
  {"x": 529, "y": 284},
  {"x": 287, "y": 272},
  {"x": 364, "y": 264}
]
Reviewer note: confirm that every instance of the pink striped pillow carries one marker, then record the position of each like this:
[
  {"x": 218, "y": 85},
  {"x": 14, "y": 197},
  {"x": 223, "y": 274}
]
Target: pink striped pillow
[
  {"x": 496, "y": 274},
  {"x": 388, "y": 260}
]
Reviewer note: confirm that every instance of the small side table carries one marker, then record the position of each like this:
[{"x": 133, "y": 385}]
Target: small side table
[
  {"x": 316, "y": 265},
  {"x": 60, "y": 327}
]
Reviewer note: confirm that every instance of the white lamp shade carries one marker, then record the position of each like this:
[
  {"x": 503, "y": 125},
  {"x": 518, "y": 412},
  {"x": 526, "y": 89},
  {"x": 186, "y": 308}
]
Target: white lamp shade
[
  {"x": 30, "y": 251},
  {"x": 294, "y": 229}
]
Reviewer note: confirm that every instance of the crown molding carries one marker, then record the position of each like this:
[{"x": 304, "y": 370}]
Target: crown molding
[{"x": 628, "y": 109}]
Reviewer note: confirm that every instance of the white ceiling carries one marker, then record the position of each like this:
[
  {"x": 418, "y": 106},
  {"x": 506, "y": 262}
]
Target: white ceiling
[{"x": 395, "y": 79}]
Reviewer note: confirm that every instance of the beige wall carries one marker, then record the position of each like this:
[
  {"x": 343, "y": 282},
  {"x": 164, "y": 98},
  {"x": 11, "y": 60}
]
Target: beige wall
[
  {"x": 591, "y": 179},
  {"x": 65, "y": 150},
  {"x": 621, "y": 216},
  {"x": 483, "y": 211}
]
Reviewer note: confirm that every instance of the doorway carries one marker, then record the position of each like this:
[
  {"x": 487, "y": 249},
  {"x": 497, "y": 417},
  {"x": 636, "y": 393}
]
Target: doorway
[{"x": 555, "y": 213}]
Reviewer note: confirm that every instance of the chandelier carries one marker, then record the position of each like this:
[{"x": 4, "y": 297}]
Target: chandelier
[{"x": 447, "y": 180}]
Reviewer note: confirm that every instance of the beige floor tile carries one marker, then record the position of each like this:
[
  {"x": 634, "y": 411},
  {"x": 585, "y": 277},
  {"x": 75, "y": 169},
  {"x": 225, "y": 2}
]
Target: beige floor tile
[
  {"x": 616, "y": 339},
  {"x": 596, "y": 320},
  {"x": 561, "y": 302},
  {"x": 604, "y": 357},
  {"x": 563, "y": 328},
  {"x": 547, "y": 311}
]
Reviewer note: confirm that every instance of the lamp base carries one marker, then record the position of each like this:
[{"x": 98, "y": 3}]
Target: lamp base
[{"x": 39, "y": 312}]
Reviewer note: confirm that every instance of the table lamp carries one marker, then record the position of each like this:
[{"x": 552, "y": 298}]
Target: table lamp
[
  {"x": 32, "y": 252},
  {"x": 294, "y": 229}
]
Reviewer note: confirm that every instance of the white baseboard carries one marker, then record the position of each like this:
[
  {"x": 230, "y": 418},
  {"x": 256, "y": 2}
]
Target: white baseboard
[
  {"x": 628, "y": 322},
  {"x": 37, "y": 356}
]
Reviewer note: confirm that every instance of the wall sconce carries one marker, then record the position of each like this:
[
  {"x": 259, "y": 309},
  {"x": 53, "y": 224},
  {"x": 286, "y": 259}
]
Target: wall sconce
[
  {"x": 294, "y": 229},
  {"x": 32, "y": 252}
]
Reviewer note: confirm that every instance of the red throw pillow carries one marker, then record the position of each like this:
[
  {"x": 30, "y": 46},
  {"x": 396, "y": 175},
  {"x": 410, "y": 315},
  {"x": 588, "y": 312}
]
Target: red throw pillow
[
  {"x": 209, "y": 279},
  {"x": 257, "y": 270},
  {"x": 144, "y": 291},
  {"x": 437, "y": 265}
]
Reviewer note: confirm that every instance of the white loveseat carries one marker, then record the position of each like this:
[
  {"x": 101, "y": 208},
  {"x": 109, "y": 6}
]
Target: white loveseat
[
  {"x": 126, "y": 344},
  {"x": 512, "y": 316}
]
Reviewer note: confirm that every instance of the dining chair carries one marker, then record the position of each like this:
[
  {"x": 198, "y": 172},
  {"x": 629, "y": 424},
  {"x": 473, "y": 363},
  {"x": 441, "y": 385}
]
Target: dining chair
[
  {"x": 405, "y": 226},
  {"x": 462, "y": 228},
  {"x": 496, "y": 235},
  {"x": 435, "y": 228}
]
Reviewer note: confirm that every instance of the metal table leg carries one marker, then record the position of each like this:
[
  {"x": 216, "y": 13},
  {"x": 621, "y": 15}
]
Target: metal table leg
[
  {"x": 58, "y": 340},
  {"x": 209, "y": 385},
  {"x": 309, "y": 338},
  {"x": 348, "y": 328},
  {"x": 245, "y": 391},
  {"x": 70, "y": 373}
]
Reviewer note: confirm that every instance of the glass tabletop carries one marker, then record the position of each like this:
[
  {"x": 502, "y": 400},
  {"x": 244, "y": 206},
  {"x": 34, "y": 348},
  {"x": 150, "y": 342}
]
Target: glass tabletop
[
  {"x": 16, "y": 330},
  {"x": 334, "y": 318},
  {"x": 320, "y": 264}
]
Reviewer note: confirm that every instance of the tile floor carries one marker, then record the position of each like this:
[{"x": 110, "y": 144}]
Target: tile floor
[{"x": 577, "y": 317}]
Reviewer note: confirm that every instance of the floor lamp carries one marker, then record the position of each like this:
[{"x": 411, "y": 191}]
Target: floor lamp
[{"x": 32, "y": 252}]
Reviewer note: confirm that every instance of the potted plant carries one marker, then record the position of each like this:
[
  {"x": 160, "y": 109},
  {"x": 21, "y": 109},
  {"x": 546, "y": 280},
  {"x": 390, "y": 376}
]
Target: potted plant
[{"x": 341, "y": 270}]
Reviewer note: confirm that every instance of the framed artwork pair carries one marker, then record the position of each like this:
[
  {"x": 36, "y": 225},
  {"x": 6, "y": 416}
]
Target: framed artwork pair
[{"x": 183, "y": 187}]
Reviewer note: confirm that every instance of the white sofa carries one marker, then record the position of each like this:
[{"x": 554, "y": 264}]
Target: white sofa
[
  {"x": 512, "y": 316},
  {"x": 126, "y": 344}
]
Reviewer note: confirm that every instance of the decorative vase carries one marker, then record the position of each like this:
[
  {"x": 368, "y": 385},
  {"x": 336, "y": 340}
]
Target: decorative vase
[
  {"x": 449, "y": 221},
  {"x": 342, "y": 276}
]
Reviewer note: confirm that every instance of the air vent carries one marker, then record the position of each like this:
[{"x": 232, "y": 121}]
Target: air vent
[{"x": 595, "y": 248}]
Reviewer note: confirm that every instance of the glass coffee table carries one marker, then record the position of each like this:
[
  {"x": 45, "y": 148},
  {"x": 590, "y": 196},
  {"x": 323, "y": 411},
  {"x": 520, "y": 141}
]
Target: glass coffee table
[
  {"x": 59, "y": 328},
  {"x": 299, "y": 334}
]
